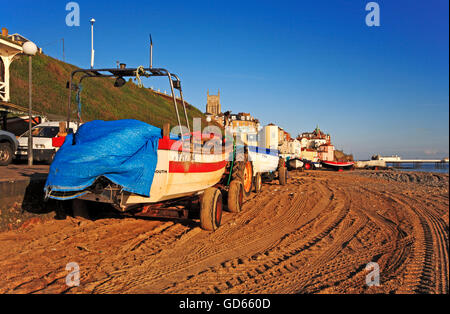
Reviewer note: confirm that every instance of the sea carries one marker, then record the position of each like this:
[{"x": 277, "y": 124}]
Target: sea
[{"x": 431, "y": 167}]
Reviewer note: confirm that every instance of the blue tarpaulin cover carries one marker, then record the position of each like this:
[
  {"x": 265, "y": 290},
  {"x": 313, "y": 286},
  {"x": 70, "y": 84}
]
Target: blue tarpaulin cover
[{"x": 124, "y": 151}]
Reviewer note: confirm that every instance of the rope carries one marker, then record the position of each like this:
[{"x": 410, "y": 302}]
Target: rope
[
  {"x": 79, "y": 100},
  {"x": 140, "y": 71},
  {"x": 232, "y": 162},
  {"x": 48, "y": 192}
]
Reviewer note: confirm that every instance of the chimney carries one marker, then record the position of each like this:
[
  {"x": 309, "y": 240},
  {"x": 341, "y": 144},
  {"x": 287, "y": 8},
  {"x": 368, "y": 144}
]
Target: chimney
[{"x": 4, "y": 32}]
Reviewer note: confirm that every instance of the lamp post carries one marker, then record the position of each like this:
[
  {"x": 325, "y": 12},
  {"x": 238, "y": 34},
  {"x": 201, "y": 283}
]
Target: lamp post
[
  {"x": 30, "y": 49},
  {"x": 151, "y": 52},
  {"x": 92, "y": 43}
]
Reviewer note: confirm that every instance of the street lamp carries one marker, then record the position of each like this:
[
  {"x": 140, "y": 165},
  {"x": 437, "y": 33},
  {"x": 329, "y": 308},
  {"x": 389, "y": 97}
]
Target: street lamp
[
  {"x": 30, "y": 49},
  {"x": 92, "y": 42}
]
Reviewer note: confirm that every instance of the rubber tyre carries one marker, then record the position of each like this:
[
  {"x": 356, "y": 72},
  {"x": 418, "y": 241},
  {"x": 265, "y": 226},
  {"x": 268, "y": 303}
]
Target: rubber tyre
[
  {"x": 211, "y": 209},
  {"x": 235, "y": 196},
  {"x": 248, "y": 178},
  {"x": 258, "y": 183},
  {"x": 6, "y": 154},
  {"x": 243, "y": 170},
  {"x": 282, "y": 176}
]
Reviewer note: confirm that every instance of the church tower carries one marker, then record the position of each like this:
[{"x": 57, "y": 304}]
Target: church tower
[{"x": 213, "y": 103}]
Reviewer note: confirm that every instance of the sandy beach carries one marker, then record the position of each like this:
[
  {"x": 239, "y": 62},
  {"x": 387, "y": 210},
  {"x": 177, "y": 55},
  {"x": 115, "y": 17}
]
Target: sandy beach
[{"x": 314, "y": 235}]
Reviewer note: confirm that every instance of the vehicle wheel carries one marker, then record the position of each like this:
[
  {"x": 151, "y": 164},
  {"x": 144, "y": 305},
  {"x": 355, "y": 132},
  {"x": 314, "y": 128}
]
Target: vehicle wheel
[
  {"x": 235, "y": 196},
  {"x": 270, "y": 176},
  {"x": 248, "y": 178},
  {"x": 258, "y": 183},
  {"x": 282, "y": 175},
  {"x": 243, "y": 170},
  {"x": 6, "y": 154},
  {"x": 211, "y": 209},
  {"x": 80, "y": 209}
]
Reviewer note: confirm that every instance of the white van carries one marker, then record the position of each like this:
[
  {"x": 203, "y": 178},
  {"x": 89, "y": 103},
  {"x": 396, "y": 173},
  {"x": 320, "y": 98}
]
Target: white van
[{"x": 46, "y": 141}]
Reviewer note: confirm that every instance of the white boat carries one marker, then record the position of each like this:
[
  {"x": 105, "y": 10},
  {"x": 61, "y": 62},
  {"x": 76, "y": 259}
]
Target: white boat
[
  {"x": 180, "y": 171},
  {"x": 263, "y": 159},
  {"x": 261, "y": 162},
  {"x": 180, "y": 174},
  {"x": 295, "y": 163}
]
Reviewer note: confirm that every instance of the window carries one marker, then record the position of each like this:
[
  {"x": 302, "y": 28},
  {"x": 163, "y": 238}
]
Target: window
[
  {"x": 49, "y": 131},
  {"x": 46, "y": 131}
]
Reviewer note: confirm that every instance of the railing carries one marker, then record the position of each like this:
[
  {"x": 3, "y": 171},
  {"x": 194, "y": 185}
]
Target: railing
[
  {"x": 3, "y": 91},
  {"x": 411, "y": 161}
]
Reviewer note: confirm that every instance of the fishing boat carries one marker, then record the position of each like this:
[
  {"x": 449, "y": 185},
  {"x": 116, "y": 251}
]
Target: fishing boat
[
  {"x": 337, "y": 165},
  {"x": 295, "y": 163},
  {"x": 259, "y": 162},
  {"x": 180, "y": 173},
  {"x": 263, "y": 159},
  {"x": 266, "y": 163},
  {"x": 165, "y": 168}
]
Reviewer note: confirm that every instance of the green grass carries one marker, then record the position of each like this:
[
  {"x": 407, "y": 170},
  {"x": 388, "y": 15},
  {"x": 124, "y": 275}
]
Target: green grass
[{"x": 99, "y": 98}]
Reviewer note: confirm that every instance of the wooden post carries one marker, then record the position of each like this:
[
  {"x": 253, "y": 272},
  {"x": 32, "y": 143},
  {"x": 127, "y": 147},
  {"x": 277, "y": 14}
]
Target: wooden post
[
  {"x": 62, "y": 128},
  {"x": 166, "y": 130}
]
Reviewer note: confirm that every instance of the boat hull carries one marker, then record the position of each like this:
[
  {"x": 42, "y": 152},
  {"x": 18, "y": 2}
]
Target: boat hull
[
  {"x": 178, "y": 174},
  {"x": 295, "y": 163},
  {"x": 337, "y": 165},
  {"x": 263, "y": 160}
]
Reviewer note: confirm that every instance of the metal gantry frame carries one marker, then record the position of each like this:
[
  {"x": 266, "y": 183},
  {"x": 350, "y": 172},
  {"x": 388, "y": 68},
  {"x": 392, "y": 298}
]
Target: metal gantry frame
[{"x": 174, "y": 81}]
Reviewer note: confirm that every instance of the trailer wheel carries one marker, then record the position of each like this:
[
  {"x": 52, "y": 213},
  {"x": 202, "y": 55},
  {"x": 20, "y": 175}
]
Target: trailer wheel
[
  {"x": 235, "y": 196},
  {"x": 258, "y": 183},
  {"x": 282, "y": 175},
  {"x": 211, "y": 209}
]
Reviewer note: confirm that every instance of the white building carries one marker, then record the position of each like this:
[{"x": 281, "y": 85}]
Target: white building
[
  {"x": 268, "y": 137},
  {"x": 295, "y": 147},
  {"x": 387, "y": 158},
  {"x": 8, "y": 50}
]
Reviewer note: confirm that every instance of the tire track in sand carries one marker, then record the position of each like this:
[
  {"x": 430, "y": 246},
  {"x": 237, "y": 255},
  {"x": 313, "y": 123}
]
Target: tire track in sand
[{"x": 266, "y": 235}]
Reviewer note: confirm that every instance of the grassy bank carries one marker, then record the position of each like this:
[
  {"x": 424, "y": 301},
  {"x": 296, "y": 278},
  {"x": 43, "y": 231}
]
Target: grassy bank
[{"x": 100, "y": 99}]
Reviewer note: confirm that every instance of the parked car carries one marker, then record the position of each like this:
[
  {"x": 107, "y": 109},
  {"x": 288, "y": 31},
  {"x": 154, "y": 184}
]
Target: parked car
[
  {"x": 46, "y": 141},
  {"x": 8, "y": 145}
]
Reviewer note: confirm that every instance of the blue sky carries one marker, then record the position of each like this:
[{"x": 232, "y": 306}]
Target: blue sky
[{"x": 294, "y": 63}]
